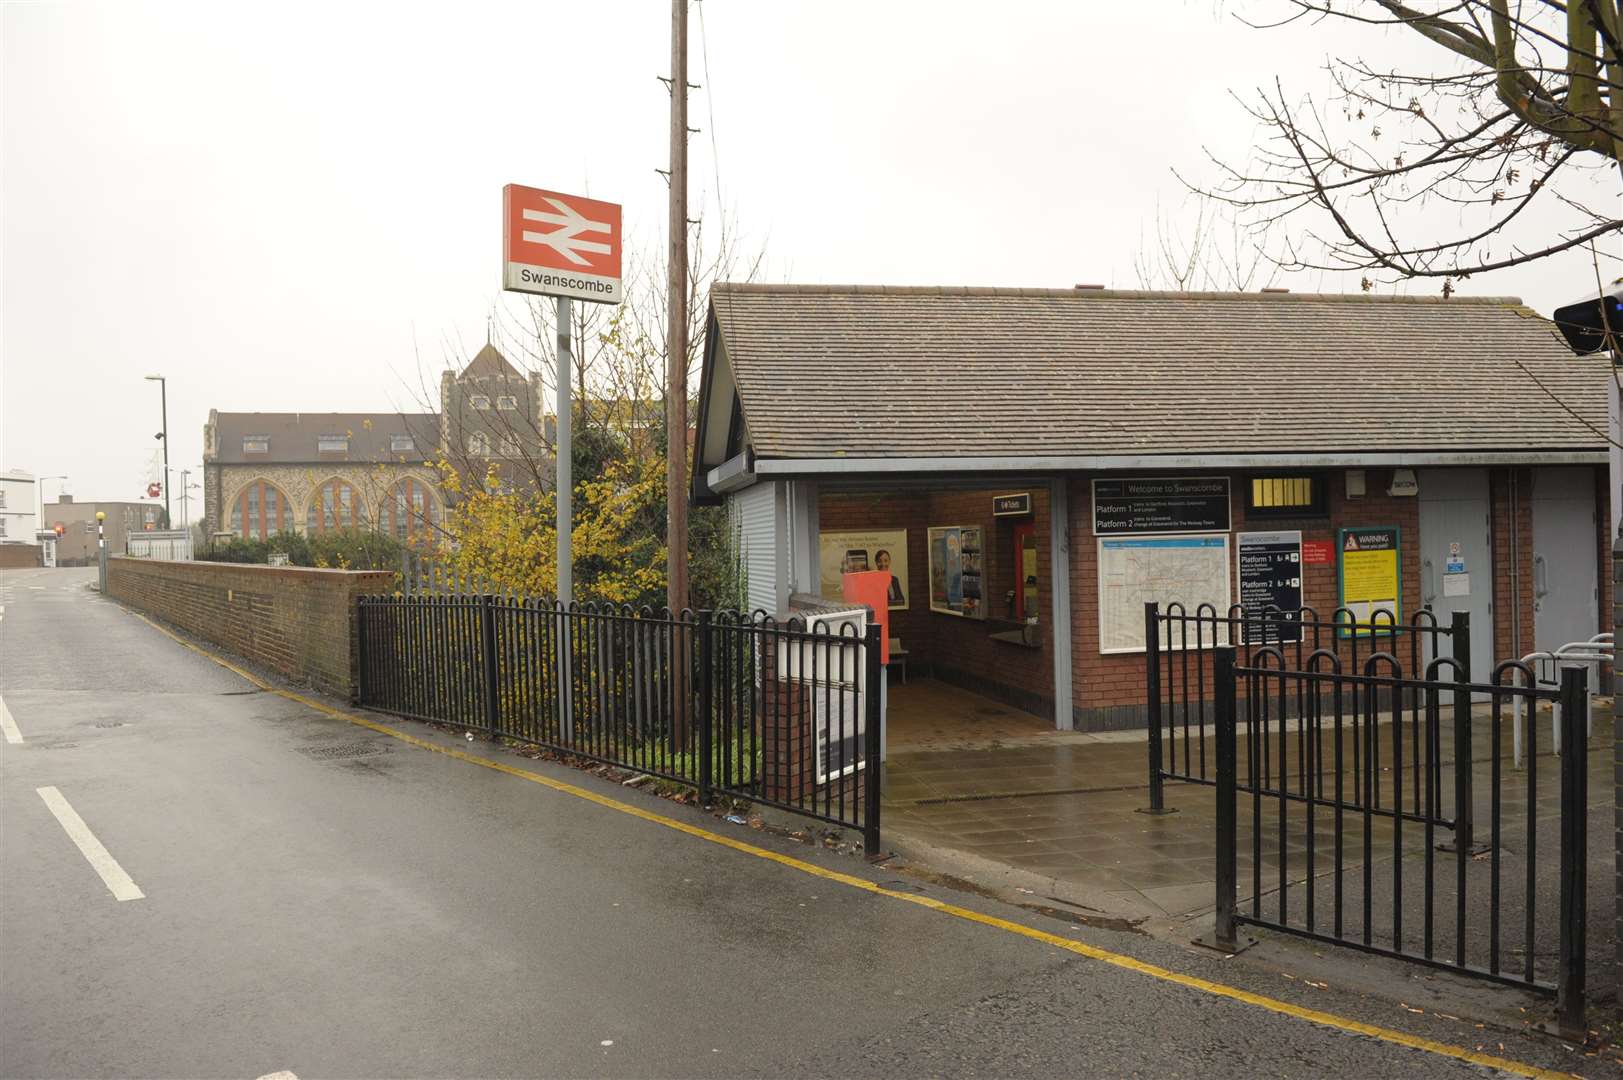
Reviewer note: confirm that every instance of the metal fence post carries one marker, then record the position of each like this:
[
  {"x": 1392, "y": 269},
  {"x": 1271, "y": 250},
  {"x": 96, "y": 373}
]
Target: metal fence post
[
  {"x": 706, "y": 686},
  {"x": 1227, "y": 793},
  {"x": 1152, "y": 690},
  {"x": 1569, "y": 986},
  {"x": 1464, "y": 801},
  {"x": 872, "y": 750},
  {"x": 487, "y": 631},
  {"x": 360, "y": 651}
]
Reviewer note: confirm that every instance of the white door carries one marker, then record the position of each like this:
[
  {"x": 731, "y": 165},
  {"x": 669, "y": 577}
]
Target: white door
[
  {"x": 1566, "y": 556},
  {"x": 1456, "y": 556}
]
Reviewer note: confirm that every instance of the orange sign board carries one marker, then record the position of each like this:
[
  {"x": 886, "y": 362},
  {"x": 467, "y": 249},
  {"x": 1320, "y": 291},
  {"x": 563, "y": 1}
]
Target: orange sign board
[
  {"x": 560, "y": 245},
  {"x": 872, "y": 588}
]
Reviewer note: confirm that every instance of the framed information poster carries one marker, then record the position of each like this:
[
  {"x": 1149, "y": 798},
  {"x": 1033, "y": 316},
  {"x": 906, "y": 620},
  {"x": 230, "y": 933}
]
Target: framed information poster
[
  {"x": 956, "y": 569},
  {"x": 1270, "y": 565},
  {"x": 841, "y": 553},
  {"x": 1191, "y": 570},
  {"x": 1371, "y": 576}
]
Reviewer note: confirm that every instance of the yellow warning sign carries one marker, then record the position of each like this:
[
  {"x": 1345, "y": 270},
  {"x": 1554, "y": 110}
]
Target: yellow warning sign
[{"x": 1371, "y": 578}]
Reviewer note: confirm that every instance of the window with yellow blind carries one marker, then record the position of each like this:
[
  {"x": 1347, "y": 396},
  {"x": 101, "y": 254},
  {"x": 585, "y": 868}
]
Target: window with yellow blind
[
  {"x": 1292, "y": 495},
  {"x": 260, "y": 509}
]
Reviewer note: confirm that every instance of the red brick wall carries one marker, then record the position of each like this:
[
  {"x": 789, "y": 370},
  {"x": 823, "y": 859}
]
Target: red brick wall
[
  {"x": 1108, "y": 690},
  {"x": 953, "y": 648},
  {"x": 295, "y": 621},
  {"x": 16, "y": 556}
]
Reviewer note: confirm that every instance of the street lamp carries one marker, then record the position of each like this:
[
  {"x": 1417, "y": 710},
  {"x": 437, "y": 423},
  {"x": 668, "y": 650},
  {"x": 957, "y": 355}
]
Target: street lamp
[
  {"x": 1590, "y": 325},
  {"x": 163, "y": 436}
]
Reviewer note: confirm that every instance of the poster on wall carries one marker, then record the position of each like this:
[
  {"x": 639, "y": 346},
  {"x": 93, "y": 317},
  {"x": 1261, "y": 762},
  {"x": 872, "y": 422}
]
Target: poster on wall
[
  {"x": 841, "y": 553},
  {"x": 1270, "y": 565},
  {"x": 1161, "y": 504},
  {"x": 1371, "y": 577},
  {"x": 838, "y": 726},
  {"x": 955, "y": 571},
  {"x": 1190, "y": 570}
]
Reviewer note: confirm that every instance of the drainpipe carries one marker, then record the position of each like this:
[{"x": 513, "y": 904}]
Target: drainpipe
[{"x": 1515, "y": 565}]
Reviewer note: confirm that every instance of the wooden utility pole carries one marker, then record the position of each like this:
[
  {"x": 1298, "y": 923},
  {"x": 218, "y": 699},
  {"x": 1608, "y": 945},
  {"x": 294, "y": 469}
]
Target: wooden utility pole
[{"x": 676, "y": 332}]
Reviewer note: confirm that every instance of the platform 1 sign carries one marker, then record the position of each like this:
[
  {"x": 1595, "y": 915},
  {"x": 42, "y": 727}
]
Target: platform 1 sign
[
  {"x": 560, "y": 245},
  {"x": 1270, "y": 565}
]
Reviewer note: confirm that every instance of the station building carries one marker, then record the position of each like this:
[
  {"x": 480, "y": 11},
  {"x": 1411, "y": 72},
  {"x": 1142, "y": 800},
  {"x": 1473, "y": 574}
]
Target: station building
[{"x": 1034, "y": 465}]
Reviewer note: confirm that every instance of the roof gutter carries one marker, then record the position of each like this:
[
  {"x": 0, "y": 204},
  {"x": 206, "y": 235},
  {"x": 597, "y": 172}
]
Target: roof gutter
[
  {"x": 736, "y": 472},
  {"x": 837, "y": 466}
]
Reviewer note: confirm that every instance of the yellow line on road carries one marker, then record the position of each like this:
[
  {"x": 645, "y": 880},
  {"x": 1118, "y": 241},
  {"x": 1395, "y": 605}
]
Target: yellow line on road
[{"x": 1092, "y": 952}]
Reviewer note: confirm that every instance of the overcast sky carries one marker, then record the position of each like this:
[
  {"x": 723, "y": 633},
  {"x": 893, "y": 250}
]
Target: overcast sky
[{"x": 296, "y": 207}]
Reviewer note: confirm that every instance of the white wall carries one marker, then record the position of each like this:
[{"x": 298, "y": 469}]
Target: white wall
[{"x": 17, "y": 511}]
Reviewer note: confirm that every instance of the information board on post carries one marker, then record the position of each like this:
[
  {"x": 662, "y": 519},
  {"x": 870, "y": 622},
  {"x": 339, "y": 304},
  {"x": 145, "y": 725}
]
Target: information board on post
[
  {"x": 1160, "y": 504},
  {"x": 1371, "y": 576},
  {"x": 1270, "y": 565}
]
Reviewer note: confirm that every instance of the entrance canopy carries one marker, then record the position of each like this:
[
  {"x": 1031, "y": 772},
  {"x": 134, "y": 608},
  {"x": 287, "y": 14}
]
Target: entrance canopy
[{"x": 830, "y": 380}]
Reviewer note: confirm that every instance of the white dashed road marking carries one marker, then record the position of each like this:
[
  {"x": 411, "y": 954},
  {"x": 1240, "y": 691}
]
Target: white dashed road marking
[
  {"x": 9, "y": 726},
  {"x": 112, "y": 874}
]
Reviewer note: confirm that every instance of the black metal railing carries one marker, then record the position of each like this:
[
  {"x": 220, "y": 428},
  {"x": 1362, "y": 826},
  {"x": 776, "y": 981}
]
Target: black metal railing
[
  {"x": 1346, "y": 846},
  {"x": 749, "y": 707},
  {"x": 1180, "y": 682}
]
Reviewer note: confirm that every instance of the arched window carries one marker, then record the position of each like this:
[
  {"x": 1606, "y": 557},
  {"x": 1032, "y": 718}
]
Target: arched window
[
  {"x": 479, "y": 444},
  {"x": 334, "y": 505},
  {"x": 410, "y": 512},
  {"x": 261, "y": 508}
]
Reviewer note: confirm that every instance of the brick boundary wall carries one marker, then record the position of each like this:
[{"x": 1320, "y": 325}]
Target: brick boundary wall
[
  {"x": 20, "y": 556},
  {"x": 296, "y": 621}
]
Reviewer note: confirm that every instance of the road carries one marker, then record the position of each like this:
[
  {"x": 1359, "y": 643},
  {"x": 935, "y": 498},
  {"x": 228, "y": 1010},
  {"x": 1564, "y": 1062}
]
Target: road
[{"x": 327, "y": 900}]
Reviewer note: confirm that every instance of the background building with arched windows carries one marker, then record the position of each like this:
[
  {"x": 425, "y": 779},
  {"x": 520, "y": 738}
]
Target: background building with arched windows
[{"x": 315, "y": 472}]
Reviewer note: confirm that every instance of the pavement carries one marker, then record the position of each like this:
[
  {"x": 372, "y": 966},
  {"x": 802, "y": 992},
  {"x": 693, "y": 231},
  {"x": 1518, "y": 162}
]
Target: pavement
[{"x": 324, "y": 897}]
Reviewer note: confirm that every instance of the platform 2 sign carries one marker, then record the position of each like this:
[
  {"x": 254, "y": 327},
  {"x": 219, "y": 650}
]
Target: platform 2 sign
[
  {"x": 1371, "y": 577},
  {"x": 1150, "y": 504},
  {"x": 1270, "y": 565}
]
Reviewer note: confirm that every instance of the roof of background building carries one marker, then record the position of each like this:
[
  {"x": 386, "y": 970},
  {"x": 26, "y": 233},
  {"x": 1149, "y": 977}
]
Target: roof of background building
[
  {"x": 489, "y": 361},
  {"x": 293, "y": 436},
  {"x": 872, "y": 371}
]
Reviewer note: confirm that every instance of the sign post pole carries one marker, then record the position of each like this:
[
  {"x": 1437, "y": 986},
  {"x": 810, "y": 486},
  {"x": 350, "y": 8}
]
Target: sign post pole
[
  {"x": 564, "y": 494},
  {"x": 564, "y": 484}
]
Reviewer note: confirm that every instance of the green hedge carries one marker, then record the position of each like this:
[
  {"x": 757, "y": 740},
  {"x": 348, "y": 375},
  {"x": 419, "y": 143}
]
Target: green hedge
[{"x": 349, "y": 549}]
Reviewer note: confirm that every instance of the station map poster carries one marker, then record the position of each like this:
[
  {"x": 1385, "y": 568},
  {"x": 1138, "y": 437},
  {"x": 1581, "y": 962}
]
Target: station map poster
[
  {"x": 1371, "y": 576},
  {"x": 841, "y": 553},
  {"x": 1161, "y": 504},
  {"x": 1190, "y": 570},
  {"x": 1270, "y": 565}
]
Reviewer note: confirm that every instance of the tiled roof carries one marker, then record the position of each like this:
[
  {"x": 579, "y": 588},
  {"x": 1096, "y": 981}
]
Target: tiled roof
[
  {"x": 489, "y": 361},
  {"x": 866, "y": 371},
  {"x": 293, "y": 436}
]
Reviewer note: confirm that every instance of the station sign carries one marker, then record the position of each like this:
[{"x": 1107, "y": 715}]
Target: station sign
[
  {"x": 1270, "y": 565},
  {"x": 555, "y": 244},
  {"x": 1159, "y": 504},
  {"x": 1011, "y": 505}
]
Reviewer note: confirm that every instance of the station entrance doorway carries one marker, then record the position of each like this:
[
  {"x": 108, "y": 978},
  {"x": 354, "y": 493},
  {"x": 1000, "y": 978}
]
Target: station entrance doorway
[{"x": 971, "y": 603}]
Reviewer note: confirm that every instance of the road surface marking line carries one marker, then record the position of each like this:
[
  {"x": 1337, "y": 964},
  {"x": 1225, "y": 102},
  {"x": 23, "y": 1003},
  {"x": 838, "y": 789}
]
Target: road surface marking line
[
  {"x": 112, "y": 874},
  {"x": 1092, "y": 952},
  {"x": 8, "y": 725}
]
